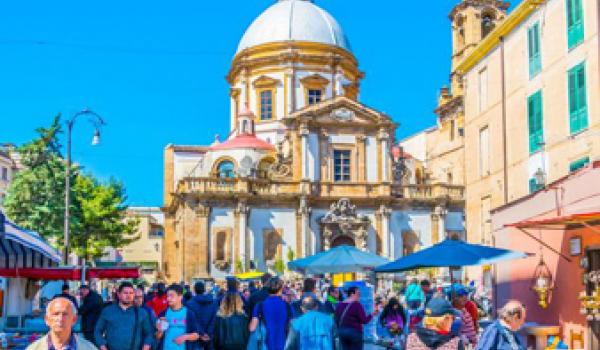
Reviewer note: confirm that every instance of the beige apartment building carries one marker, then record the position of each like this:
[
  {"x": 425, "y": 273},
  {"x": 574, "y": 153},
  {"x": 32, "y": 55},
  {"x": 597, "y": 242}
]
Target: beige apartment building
[
  {"x": 146, "y": 251},
  {"x": 531, "y": 101}
]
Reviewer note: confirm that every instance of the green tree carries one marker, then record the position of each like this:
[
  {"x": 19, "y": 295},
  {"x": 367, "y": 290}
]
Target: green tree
[
  {"x": 102, "y": 217},
  {"x": 35, "y": 198}
]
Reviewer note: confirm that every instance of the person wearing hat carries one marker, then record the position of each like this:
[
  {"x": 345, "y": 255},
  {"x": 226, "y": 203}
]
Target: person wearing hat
[
  {"x": 467, "y": 325},
  {"x": 435, "y": 333},
  {"x": 90, "y": 309}
]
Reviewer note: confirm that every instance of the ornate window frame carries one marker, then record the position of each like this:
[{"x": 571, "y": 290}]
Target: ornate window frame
[
  {"x": 261, "y": 84},
  {"x": 314, "y": 82}
]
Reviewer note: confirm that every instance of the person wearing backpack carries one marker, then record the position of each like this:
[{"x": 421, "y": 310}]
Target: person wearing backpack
[
  {"x": 231, "y": 324},
  {"x": 205, "y": 308},
  {"x": 272, "y": 316}
]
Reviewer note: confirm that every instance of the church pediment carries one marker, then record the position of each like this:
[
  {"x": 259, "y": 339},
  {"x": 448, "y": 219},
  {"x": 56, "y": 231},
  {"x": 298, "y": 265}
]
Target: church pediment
[{"x": 342, "y": 110}]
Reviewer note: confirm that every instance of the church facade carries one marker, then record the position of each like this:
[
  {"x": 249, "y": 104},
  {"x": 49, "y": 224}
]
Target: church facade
[{"x": 306, "y": 166}]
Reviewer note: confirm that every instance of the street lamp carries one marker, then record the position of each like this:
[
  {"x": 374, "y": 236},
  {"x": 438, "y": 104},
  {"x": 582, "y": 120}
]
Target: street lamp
[{"x": 98, "y": 122}]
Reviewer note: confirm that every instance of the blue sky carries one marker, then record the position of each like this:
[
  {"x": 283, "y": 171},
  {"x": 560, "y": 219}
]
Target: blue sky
[{"x": 154, "y": 70}]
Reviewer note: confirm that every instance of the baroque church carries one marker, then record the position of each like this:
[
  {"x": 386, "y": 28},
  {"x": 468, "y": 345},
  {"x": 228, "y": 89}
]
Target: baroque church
[{"x": 306, "y": 166}]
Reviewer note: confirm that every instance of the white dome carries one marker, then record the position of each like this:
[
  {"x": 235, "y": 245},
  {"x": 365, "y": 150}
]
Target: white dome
[{"x": 294, "y": 20}]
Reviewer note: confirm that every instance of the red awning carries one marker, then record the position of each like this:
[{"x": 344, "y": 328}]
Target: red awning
[
  {"x": 559, "y": 223},
  {"x": 72, "y": 273}
]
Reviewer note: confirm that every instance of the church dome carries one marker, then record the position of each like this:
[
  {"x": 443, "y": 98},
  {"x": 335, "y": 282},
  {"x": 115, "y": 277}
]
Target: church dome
[{"x": 294, "y": 20}]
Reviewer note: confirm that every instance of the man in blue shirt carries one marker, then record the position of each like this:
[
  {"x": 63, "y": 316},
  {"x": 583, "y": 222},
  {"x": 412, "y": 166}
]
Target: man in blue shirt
[
  {"x": 177, "y": 327},
  {"x": 274, "y": 313},
  {"x": 122, "y": 325}
]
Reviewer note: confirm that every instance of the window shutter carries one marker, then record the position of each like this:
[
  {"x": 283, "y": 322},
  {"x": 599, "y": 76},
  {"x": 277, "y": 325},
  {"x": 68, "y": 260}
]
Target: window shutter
[
  {"x": 573, "y": 120},
  {"x": 581, "y": 98},
  {"x": 535, "y": 120},
  {"x": 532, "y": 185},
  {"x": 578, "y": 119},
  {"x": 574, "y": 22}
]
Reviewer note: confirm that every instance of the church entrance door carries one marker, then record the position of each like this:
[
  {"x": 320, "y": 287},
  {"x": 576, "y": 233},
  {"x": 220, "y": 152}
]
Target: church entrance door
[{"x": 338, "y": 279}]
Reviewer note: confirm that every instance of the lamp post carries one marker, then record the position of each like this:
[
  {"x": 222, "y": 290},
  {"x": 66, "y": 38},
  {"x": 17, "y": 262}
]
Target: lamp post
[{"x": 97, "y": 121}]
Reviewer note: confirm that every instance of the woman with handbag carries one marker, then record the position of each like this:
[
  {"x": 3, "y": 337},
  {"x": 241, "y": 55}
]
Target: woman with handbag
[
  {"x": 231, "y": 325},
  {"x": 350, "y": 318}
]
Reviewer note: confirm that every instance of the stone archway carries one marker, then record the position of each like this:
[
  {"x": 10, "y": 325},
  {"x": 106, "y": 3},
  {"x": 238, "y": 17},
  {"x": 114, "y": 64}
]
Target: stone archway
[
  {"x": 343, "y": 224},
  {"x": 342, "y": 240}
]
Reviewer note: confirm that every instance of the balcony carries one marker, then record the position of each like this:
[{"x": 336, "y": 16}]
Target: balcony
[{"x": 215, "y": 187}]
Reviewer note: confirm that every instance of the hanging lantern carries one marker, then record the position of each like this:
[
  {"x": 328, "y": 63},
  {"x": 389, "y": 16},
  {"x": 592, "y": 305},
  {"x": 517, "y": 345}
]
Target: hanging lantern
[{"x": 542, "y": 283}]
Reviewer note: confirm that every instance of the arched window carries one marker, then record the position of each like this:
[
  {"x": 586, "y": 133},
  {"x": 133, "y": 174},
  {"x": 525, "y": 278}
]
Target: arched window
[
  {"x": 487, "y": 24},
  {"x": 226, "y": 169}
]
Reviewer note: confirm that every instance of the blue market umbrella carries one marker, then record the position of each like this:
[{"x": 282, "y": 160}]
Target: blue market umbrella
[
  {"x": 452, "y": 253},
  {"x": 337, "y": 260}
]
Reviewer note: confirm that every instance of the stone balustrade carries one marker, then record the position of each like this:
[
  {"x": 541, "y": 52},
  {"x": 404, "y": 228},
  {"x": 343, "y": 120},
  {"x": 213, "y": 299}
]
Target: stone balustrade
[{"x": 262, "y": 187}]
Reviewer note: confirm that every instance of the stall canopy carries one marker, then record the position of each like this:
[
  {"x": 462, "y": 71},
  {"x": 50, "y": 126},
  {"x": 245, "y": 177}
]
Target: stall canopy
[
  {"x": 452, "y": 253},
  {"x": 338, "y": 260},
  {"x": 21, "y": 248},
  {"x": 72, "y": 273}
]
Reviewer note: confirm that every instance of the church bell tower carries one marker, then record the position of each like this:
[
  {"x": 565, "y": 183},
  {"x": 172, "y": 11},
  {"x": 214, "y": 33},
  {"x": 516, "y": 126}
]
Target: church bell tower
[{"x": 472, "y": 21}]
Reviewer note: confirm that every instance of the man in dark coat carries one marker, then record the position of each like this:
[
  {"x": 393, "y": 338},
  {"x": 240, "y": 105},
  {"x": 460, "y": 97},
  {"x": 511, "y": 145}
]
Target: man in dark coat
[
  {"x": 258, "y": 296},
  {"x": 90, "y": 309},
  {"x": 205, "y": 309}
]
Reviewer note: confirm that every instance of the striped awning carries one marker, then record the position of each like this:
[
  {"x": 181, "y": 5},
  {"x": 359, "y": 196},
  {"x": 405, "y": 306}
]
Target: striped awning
[{"x": 21, "y": 248}]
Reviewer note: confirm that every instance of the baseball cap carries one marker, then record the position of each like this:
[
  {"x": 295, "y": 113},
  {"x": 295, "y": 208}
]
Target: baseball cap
[
  {"x": 459, "y": 289},
  {"x": 437, "y": 307}
]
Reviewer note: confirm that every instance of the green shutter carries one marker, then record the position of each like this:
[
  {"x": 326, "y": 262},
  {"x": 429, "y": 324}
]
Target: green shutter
[
  {"x": 578, "y": 118},
  {"x": 578, "y": 164},
  {"x": 533, "y": 50},
  {"x": 535, "y": 121},
  {"x": 574, "y": 22},
  {"x": 532, "y": 185}
]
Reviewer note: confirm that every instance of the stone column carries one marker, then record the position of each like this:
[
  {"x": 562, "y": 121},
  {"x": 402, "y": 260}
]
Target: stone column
[
  {"x": 383, "y": 138},
  {"x": 195, "y": 241},
  {"x": 361, "y": 145},
  {"x": 304, "y": 134},
  {"x": 385, "y": 213},
  {"x": 241, "y": 247},
  {"x": 438, "y": 224}
]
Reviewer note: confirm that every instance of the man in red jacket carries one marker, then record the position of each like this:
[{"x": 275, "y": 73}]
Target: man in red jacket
[{"x": 159, "y": 302}]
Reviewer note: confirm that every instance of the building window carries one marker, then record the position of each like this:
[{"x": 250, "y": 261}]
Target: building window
[
  {"x": 484, "y": 151},
  {"x": 410, "y": 242},
  {"x": 483, "y": 89},
  {"x": 486, "y": 220},
  {"x": 578, "y": 115},
  {"x": 449, "y": 178},
  {"x": 452, "y": 129},
  {"x": 574, "y": 22},
  {"x": 487, "y": 25},
  {"x": 272, "y": 245},
  {"x": 534, "y": 50},
  {"x": 226, "y": 169},
  {"x": 341, "y": 165},
  {"x": 221, "y": 243},
  {"x": 578, "y": 164},
  {"x": 266, "y": 104},
  {"x": 4, "y": 173},
  {"x": 314, "y": 96},
  {"x": 535, "y": 122}
]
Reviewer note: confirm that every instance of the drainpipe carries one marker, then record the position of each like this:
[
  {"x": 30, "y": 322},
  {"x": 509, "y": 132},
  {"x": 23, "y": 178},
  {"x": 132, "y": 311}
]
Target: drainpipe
[
  {"x": 504, "y": 143},
  {"x": 504, "y": 160}
]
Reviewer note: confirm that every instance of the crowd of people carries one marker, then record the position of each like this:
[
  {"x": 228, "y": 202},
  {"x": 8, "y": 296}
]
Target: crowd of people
[{"x": 273, "y": 315}]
